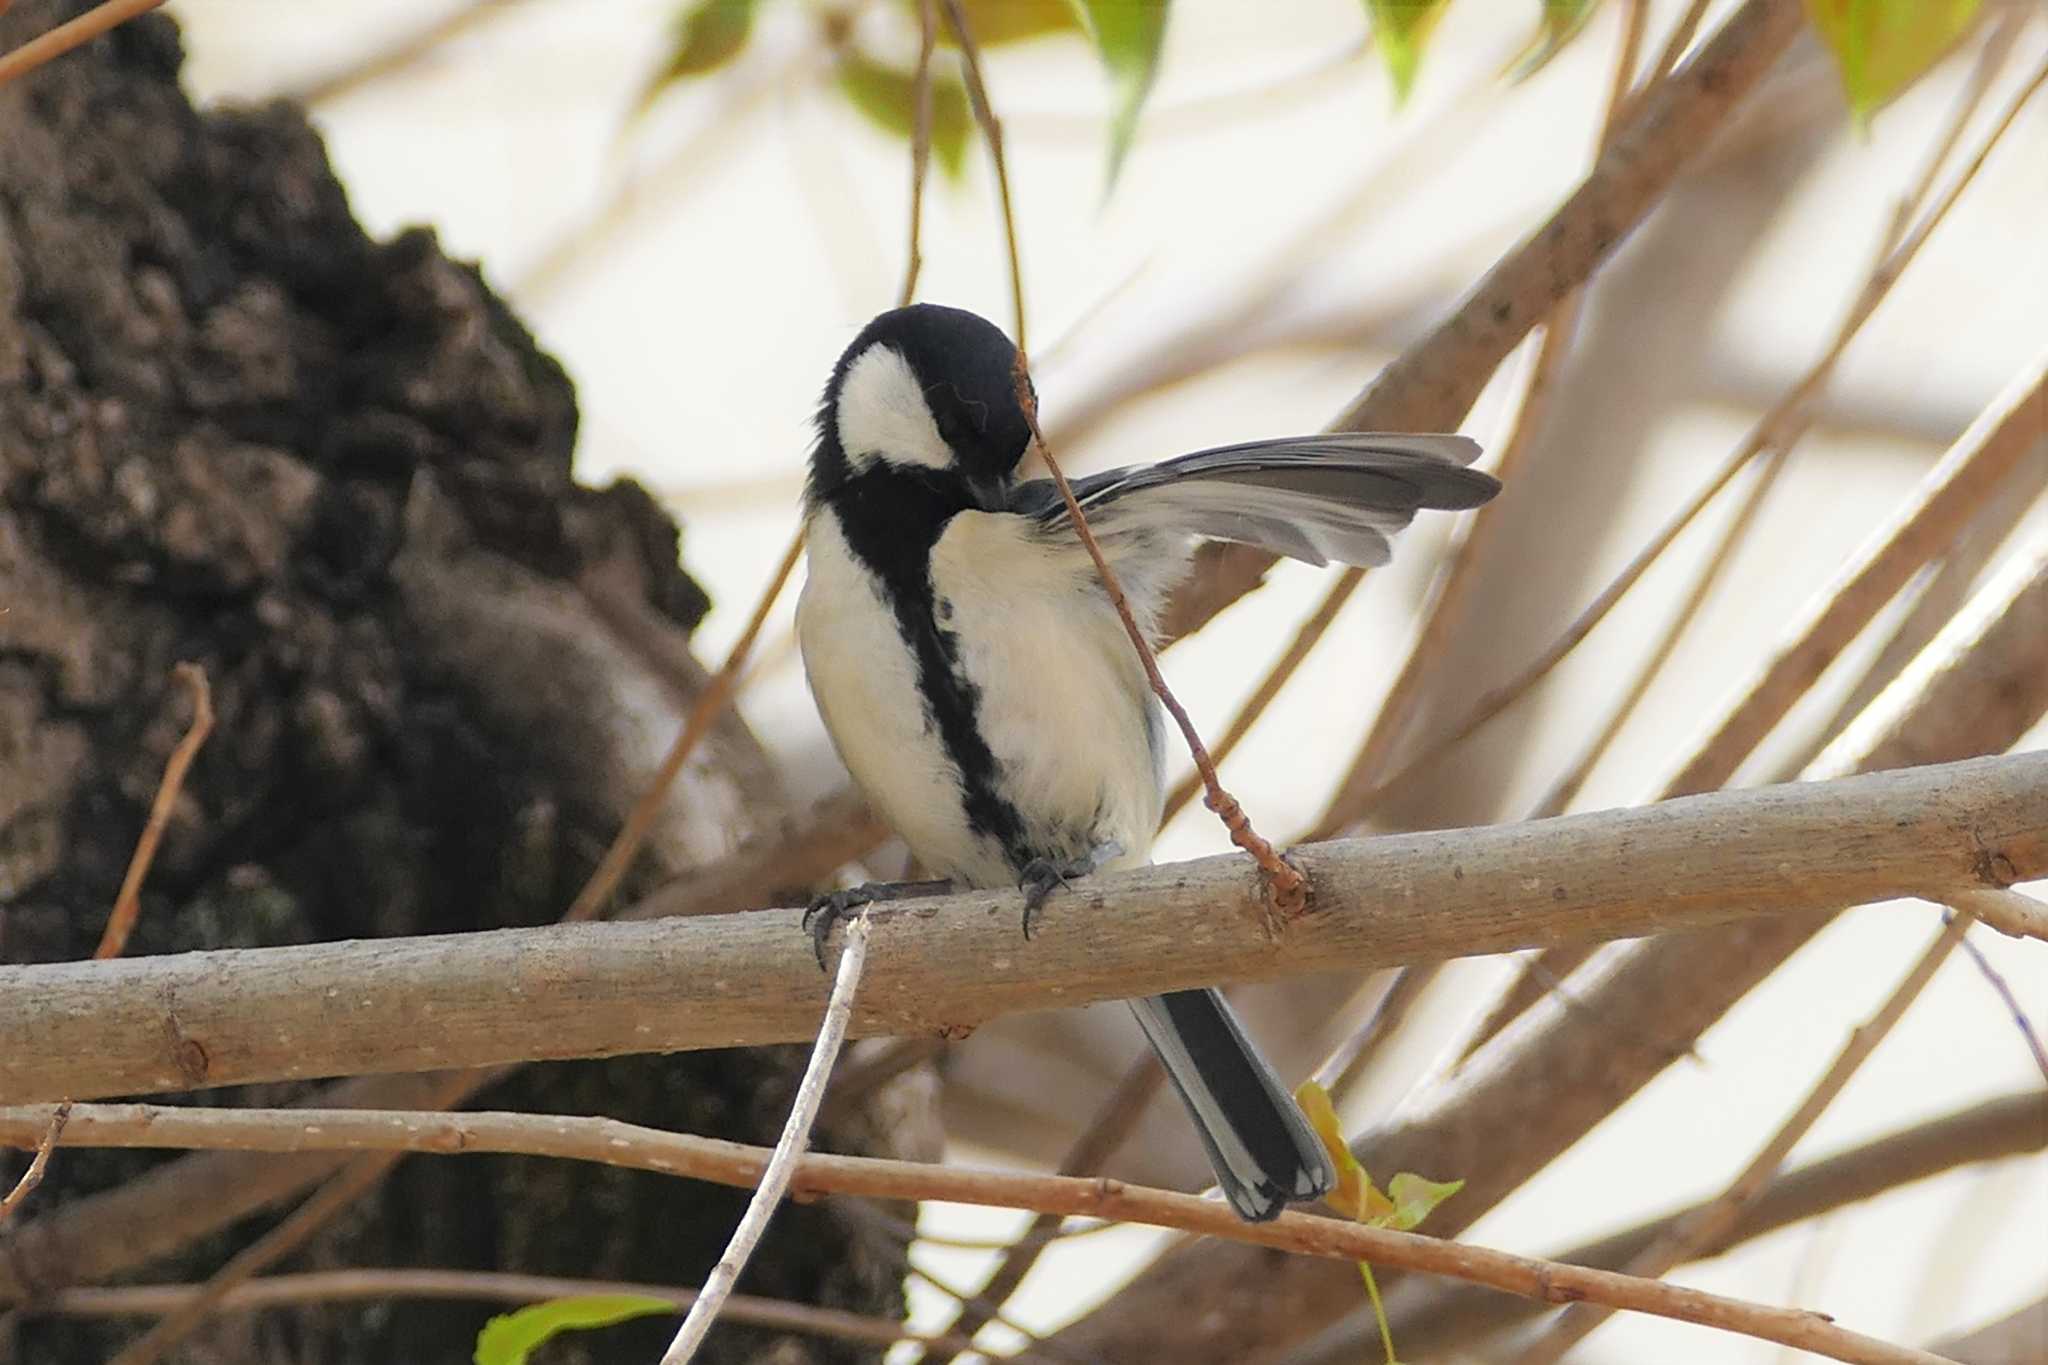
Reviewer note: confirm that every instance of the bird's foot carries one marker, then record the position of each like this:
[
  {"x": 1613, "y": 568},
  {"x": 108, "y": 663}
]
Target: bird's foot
[
  {"x": 1040, "y": 877},
  {"x": 834, "y": 907}
]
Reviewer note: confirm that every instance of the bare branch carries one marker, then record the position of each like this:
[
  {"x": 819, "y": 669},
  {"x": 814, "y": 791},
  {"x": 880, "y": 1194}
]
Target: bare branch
[
  {"x": 920, "y": 149},
  {"x": 1430, "y": 1317},
  {"x": 128, "y": 903},
  {"x": 37, "y": 1164},
  {"x": 782, "y": 1163},
  {"x": 70, "y": 34},
  {"x": 1433, "y": 384},
  {"x": 202, "y": 1019},
  {"x": 1559, "y": 1070},
  {"x": 620, "y": 1144},
  {"x": 484, "y": 1286},
  {"x": 1711, "y": 1223},
  {"x": 992, "y": 130}
]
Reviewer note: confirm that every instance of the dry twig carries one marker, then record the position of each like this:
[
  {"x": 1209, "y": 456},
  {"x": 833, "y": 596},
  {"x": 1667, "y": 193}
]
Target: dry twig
[
  {"x": 70, "y": 34},
  {"x": 1710, "y": 1224},
  {"x": 920, "y": 148},
  {"x": 483, "y": 1286},
  {"x": 1285, "y": 886},
  {"x": 37, "y": 1164},
  {"x": 129, "y": 902},
  {"x": 992, "y": 130},
  {"x": 620, "y": 1144},
  {"x": 782, "y": 1163}
]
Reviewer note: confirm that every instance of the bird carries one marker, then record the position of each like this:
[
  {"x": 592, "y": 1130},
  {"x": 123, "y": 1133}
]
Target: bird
[{"x": 978, "y": 684}]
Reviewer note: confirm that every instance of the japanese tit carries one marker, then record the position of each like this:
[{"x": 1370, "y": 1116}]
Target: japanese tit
[{"x": 980, "y": 688}]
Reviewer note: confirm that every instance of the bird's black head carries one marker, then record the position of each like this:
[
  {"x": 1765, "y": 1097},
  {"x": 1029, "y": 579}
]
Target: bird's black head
[{"x": 927, "y": 392}]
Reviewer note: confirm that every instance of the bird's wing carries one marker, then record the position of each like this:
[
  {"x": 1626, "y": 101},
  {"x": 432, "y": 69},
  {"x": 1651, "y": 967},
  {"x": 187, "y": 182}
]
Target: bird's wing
[{"x": 1338, "y": 496}]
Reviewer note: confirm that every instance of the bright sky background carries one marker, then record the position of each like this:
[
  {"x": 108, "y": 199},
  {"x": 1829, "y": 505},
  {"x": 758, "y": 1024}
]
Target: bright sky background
[{"x": 762, "y": 225}]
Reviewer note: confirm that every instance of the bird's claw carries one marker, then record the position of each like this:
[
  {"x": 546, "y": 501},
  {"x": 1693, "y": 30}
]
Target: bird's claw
[
  {"x": 1040, "y": 877},
  {"x": 829, "y": 910}
]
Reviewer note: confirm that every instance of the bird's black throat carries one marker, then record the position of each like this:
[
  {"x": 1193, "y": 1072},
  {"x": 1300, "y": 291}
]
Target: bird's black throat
[{"x": 891, "y": 517}]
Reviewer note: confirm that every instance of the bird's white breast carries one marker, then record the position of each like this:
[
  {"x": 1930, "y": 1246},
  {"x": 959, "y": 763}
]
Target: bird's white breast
[
  {"x": 1060, "y": 698},
  {"x": 864, "y": 679},
  {"x": 1063, "y": 701}
]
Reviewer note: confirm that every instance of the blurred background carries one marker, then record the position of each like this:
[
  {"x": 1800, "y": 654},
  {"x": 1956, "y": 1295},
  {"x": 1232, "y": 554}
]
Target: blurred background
[{"x": 1281, "y": 227}]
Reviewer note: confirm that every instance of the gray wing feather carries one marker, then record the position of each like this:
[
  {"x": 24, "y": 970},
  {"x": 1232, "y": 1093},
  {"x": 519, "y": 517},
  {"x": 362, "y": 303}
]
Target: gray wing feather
[{"x": 1338, "y": 496}]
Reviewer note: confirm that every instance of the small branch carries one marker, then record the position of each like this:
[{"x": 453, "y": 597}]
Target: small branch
[
  {"x": 920, "y": 149},
  {"x": 129, "y": 902},
  {"x": 481, "y": 1286},
  {"x": 37, "y": 1164},
  {"x": 1712, "y": 1223},
  {"x": 320, "y": 1207},
  {"x": 2009, "y": 912},
  {"x": 1286, "y": 888},
  {"x": 597, "y": 892},
  {"x": 796, "y": 1135},
  {"x": 74, "y": 33},
  {"x": 1435, "y": 1318},
  {"x": 403, "y": 53},
  {"x": 621, "y": 1144},
  {"x": 991, "y": 129},
  {"x": 225, "y": 1017}
]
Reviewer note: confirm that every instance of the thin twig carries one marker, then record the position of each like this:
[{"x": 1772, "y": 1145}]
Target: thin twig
[
  {"x": 1770, "y": 432},
  {"x": 340, "y": 1191},
  {"x": 796, "y": 1135},
  {"x": 482, "y": 1286},
  {"x": 37, "y": 1164},
  {"x": 128, "y": 903},
  {"x": 1459, "y": 580},
  {"x": 2010, "y": 912},
  {"x": 1341, "y": 1069},
  {"x": 920, "y": 148},
  {"x": 1682, "y": 34},
  {"x": 73, "y": 33},
  {"x": 711, "y": 703},
  {"x": 610, "y": 1142},
  {"x": 1286, "y": 888},
  {"x": 992, "y": 130},
  {"x": 1712, "y": 1222},
  {"x": 1433, "y": 1319}
]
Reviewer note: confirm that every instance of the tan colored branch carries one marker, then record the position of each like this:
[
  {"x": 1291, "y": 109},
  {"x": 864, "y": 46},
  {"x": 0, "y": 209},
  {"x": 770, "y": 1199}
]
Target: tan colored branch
[
  {"x": 1559, "y": 1070},
  {"x": 477, "y": 1286},
  {"x": 622, "y": 1144},
  {"x": 1430, "y": 1318},
  {"x": 1434, "y": 382},
  {"x": 195, "y": 1020}
]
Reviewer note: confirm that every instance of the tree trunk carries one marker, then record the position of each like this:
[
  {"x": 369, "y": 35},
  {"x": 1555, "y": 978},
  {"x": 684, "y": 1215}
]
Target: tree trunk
[{"x": 335, "y": 473}]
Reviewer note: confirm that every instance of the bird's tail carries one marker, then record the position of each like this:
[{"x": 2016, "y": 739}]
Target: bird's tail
[{"x": 1265, "y": 1154}]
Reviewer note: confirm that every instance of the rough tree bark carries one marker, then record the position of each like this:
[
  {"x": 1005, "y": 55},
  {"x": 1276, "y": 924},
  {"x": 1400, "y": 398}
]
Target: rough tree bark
[{"x": 336, "y": 473}]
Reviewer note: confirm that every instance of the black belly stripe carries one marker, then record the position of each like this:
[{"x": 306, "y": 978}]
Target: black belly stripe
[{"x": 895, "y": 519}]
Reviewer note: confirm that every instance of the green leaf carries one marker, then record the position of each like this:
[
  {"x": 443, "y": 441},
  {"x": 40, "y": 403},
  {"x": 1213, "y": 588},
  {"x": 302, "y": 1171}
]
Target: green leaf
[
  {"x": 1416, "y": 1198},
  {"x": 996, "y": 22},
  {"x": 1129, "y": 35},
  {"x": 1561, "y": 22},
  {"x": 1401, "y": 29},
  {"x": 704, "y": 37},
  {"x": 887, "y": 98},
  {"x": 1883, "y": 46},
  {"x": 510, "y": 1337}
]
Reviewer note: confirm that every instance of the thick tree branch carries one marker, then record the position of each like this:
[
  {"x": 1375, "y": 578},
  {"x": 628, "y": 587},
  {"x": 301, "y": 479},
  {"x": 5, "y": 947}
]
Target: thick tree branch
[
  {"x": 194, "y": 1020},
  {"x": 1556, "y": 1072}
]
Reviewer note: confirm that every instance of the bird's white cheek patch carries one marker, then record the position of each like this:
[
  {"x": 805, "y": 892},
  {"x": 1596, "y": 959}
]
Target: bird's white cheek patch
[{"x": 882, "y": 414}]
